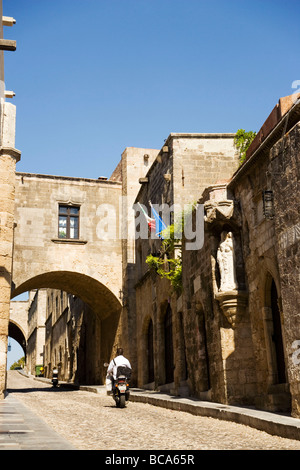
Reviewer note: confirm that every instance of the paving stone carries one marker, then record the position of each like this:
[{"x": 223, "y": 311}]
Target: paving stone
[{"x": 82, "y": 420}]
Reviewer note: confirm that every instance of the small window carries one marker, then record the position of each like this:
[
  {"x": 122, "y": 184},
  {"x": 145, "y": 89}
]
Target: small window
[{"x": 68, "y": 222}]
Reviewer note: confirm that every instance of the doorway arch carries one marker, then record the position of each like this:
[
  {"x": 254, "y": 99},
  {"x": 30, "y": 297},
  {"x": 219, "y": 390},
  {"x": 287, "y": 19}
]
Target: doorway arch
[
  {"x": 168, "y": 343},
  {"x": 275, "y": 340},
  {"x": 95, "y": 294},
  {"x": 277, "y": 335},
  {"x": 16, "y": 333},
  {"x": 150, "y": 352}
]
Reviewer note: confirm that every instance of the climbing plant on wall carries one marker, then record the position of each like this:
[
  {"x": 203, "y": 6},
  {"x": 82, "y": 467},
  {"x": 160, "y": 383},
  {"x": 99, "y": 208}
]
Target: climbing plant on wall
[
  {"x": 243, "y": 141},
  {"x": 168, "y": 263}
]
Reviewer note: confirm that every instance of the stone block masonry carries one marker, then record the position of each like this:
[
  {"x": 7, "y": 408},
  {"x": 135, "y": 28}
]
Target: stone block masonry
[{"x": 7, "y": 165}]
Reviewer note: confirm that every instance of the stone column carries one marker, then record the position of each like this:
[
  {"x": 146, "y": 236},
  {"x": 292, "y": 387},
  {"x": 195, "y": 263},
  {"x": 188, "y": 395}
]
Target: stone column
[{"x": 9, "y": 156}]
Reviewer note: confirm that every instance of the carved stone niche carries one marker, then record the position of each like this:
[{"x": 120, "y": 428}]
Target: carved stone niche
[{"x": 221, "y": 214}]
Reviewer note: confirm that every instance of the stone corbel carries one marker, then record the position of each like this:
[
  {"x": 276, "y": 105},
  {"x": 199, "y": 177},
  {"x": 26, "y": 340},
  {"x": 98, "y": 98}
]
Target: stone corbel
[
  {"x": 233, "y": 304},
  {"x": 218, "y": 211}
]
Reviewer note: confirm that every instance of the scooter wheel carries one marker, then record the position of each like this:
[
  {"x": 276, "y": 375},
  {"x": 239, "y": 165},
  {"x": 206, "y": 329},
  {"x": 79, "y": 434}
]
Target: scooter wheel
[{"x": 122, "y": 401}]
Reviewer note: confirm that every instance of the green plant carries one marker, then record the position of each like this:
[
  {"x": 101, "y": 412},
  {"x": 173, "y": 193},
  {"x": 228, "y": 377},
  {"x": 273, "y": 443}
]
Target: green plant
[
  {"x": 18, "y": 364},
  {"x": 166, "y": 265},
  {"x": 168, "y": 268},
  {"x": 243, "y": 141}
]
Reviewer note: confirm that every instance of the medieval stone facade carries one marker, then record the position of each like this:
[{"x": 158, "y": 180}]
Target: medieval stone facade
[
  {"x": 232, "y": 334},
  {"x": 229, "y": 332},
  {"x": 186, "y": 164}
]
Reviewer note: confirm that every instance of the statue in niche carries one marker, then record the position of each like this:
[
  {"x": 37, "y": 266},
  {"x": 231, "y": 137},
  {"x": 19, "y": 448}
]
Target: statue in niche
[{"x": 226, "y": 262}]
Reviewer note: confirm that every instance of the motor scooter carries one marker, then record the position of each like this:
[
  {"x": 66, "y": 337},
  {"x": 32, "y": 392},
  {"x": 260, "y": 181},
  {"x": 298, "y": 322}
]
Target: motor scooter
[
  {"x": 55, "y": 377},
  {"x": 119, "y": 388}
]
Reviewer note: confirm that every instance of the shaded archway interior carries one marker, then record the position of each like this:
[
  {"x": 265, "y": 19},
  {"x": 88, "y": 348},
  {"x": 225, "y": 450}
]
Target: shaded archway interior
[
  {"x": 97, "y": 296},
  {"x": 105, "y": 309}
]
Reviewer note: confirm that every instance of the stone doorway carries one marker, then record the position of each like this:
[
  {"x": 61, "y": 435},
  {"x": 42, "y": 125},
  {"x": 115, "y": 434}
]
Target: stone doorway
[
  {"x": 169, "y": 353},
  {"x": 277, "y": 336},
  {"x": 150, "y": 351}
]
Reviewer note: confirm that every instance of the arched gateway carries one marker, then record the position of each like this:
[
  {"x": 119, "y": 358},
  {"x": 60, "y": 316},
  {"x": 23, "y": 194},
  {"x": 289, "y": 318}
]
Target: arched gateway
[{"x": 66, "y": 237}]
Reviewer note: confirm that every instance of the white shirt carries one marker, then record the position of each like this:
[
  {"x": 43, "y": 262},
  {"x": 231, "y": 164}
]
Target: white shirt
[{"x": 115, "y": 363}]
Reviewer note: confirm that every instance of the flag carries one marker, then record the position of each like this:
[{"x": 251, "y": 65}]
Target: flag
[
  {"x": 150, "y": 222},
  {"x": 155, "y": 224},
  {"x": 159, "y": 224}
]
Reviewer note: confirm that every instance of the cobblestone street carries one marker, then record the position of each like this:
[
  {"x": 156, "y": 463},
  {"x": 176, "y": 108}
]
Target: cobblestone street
[{"x": 90, "y": 421}]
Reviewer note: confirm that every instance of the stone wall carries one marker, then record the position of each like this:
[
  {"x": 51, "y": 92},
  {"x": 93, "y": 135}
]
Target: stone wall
[
  {"x": 18, "y": 314},
  {"x": 8, "y": 158},
  {"x": 90, "y": 266},
  {"x": 266, "y": 189},
  {"x": 186, "y": 164},
  {"x": 135, "y": 163},
  {"x": 218, "y": 335},
  {"x": 285, "y": 176},
  {"x": 200, "y": 160},
  {"x": 74, "y": 342},
  {"x": 36, "y": 317}
]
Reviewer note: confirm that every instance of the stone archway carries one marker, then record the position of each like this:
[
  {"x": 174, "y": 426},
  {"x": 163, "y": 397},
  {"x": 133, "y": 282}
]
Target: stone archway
[
  {"x": 99, "y": 307},
  {"x": 278, "y": 394},
  {"x": 90, "y": 290},
  {"x": 15, "y": 332}
]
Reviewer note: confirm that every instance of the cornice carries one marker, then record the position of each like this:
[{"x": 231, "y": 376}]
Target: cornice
[{"x": 11, "y": 152}]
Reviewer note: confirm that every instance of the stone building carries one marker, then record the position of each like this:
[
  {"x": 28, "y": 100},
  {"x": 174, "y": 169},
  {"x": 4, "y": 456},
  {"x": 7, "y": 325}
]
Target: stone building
[
  {"x": 241, "y": 306},
  {"x": 186, "y": 164},
  {"x": 36, "y": 316},
  {"x": 72, "y": 334},
  {"x": 60, "y": 243},
  {"x": 231, "y": 335},
  {"x": 9, "y": 156}
]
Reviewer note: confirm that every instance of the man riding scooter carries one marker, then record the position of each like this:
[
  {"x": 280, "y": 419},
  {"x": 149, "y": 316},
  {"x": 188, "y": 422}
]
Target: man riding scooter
[{"x": 120, "y": 370}]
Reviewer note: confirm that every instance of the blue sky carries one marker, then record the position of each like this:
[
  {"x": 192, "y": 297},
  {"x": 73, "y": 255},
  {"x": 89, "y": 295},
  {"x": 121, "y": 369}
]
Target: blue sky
[
  {"x": 93, "y": 77},
  {"x": 14, "y": 354}
]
